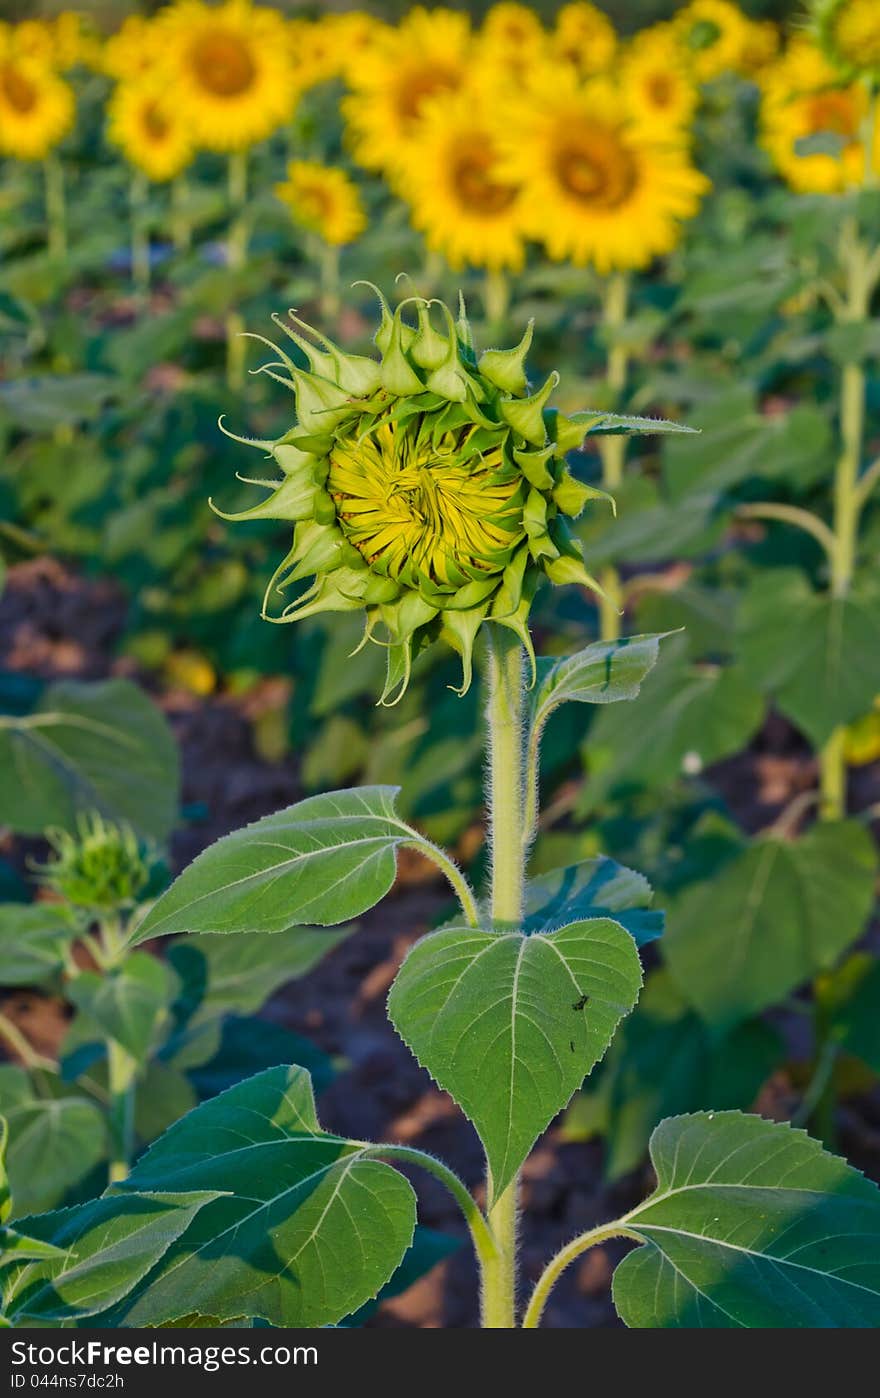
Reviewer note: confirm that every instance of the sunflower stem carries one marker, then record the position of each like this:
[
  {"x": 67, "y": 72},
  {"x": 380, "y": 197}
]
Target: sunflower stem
[
  {"x": 496, "y": 300},
  {"x": 181, "y": 230},
  {"x": 328, "y": 267},
  {"x": 56, "y": 206},
  {"x": 612, "y": 449},
  {"x": 506, "y": 821},
  {"x": 140, "y": 238},
  {"x": 236, "y": 258}
]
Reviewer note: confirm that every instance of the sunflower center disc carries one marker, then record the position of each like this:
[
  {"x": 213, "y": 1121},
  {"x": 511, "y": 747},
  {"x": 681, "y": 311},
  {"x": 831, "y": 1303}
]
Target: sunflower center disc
[
  {"x": 478, "y": 190},
  {"x": 223, "y": 64},
  {"x": 598, "y": 171},
  {"x": 18, "y": 91}
]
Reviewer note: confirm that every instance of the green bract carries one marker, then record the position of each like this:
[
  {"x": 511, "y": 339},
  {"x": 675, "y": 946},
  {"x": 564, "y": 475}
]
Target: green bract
[
  {"x": 427, "y": 487},
  {"x": 100, "y": 868}
]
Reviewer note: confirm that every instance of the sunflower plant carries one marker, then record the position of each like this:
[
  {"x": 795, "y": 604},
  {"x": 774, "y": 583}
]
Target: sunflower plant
[{"x": 428, "y": 489}]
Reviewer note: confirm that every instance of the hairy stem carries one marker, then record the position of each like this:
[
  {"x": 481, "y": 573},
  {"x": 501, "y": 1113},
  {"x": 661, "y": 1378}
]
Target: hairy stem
[
  {"x": 484, "y": 1243},
  {"x": 506, "y": 820},
  {"x": 612, "y": 448},
  {"x": 447, "y": 866},
  {"x": 554, "y": 1269}
]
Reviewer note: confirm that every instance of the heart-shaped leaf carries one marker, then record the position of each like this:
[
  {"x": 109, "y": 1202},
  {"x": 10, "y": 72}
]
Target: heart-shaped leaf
[
  {"x": 310, "y": 1227},
  {"x": 772, "y": 917},
  {"x": 53, "y": 1144},
  {"x": 323, "y": 861},
  {"x": 102, "y": 747},
  {"x": 753, "y": 1225},
  {"x": 33, "y": 941},
  {"x": 127, "y": 1004},
  {"x": 594, "y": 888},
  {"x": 510, "y": 1025}
]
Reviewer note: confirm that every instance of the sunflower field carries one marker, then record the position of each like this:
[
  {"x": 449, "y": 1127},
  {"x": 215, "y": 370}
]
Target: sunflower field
[{"x": 384, "y": 396}]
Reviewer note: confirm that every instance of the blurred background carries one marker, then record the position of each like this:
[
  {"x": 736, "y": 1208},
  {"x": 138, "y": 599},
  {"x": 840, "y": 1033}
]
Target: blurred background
[{"x": 684, "y": 200}]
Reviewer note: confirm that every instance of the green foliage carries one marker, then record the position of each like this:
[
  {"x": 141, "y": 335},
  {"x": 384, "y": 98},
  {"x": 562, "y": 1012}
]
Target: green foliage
[{"x": 751, "y": 1225}]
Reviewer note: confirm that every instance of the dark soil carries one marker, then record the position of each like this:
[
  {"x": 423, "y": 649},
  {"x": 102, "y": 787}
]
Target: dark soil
[{"x": 53, "y": 623}]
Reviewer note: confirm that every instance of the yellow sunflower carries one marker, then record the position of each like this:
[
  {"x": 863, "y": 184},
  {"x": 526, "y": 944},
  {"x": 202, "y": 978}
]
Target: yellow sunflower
[
  {"x": 811, "y": 124},
  {"x": 354, "y": 34},
  {"x": 135, "y": 49},
  {"x": 37, "y": 108},
  {"x": 323, "y": 201},
  {"x": 511, "y": 40},
  {"x": 315, "y": 55},
  {"x": 230, "y": 70},
  {"x": 457, "y": 198},
  {"x": 426, "y": 54},
  {"x": 760, "y": 46},
  {"x": 598, "y": 188},
  {"x": 144, "y": 123},
  {"x": 585, "y": 38},
  {"x": 712, "y": 34},
  {"x": 849, "y": 34},
  {"x": 33, "y": 38},
  {"x": 656, "y": 82}
]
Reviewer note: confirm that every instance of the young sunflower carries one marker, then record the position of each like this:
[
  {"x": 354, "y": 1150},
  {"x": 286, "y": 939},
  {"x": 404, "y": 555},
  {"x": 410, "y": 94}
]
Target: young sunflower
[
  {"x": 657, "y": 84},
  {"x": 712, "y": 34},
  {"x": 848, "y": 31},
  {"x": 584, "y": 38},
  {"x": 146, "y": 126},
  {"x": 599, "y": 188},
  {"x": 135, "y": 49},
  {"x": 37, "y": 107},
  {"x": 811, "y": 124},
  {"x": 426, "y": 54},
  {"x": 230, "y": 70},
  {"x": 457, "y": 198},
  {"x": 323, "y": 201},
  {"x": 427, "y": 489}
]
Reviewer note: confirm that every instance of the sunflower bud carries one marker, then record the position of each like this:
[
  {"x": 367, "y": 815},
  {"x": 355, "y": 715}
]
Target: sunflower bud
[
  {"x": 101, "y": 868},
  {"x": 427, "y": 489}
]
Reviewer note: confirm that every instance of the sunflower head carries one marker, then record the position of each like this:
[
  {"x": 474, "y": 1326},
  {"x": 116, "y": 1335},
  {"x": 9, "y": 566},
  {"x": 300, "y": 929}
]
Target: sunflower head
[
  {"x": 848, "y": 32},
  {"x": 36, "y": 107},
  {"x": 148, "y": 129},
  {"x": 426, "y": 487},
  {"x": 100, "y": 868},
  {"x": 324, "y": 201}
]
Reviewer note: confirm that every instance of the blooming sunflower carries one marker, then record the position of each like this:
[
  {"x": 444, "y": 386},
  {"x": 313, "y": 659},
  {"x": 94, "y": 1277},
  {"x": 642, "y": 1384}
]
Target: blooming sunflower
[
  {"x": 427, "y": 489},
  {"x": 426, "y": 54},
  {"x": 324, "y": 201},
  {"x": 712, "y": 34},
  {"x": 34, "y": 39},
  {"x": 584, "y": 37},
  {"x": 759, "y": 47},
  {"x": 598, "y": 187},
  {"x": 811, "y": 124},
  {"x": 848, "y": 32},
  {"x": 315, "y": 54},
  {"x": 36, "y": 108},
  {"x": 230, "y": 70},
  {"x": 656, "y": 82},
  {"x": 457, "y": 198},
  {"x": 148, "y": 129},
  {"x": 135, "y": 49}
]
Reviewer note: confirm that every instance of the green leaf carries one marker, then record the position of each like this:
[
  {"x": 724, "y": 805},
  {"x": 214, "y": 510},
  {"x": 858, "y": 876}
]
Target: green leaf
[
  {"x": 510, "y": 1025},
  {"x": 42, "y": 404},
  {"x": 686, "y": 717},
  {"x": 752, "y": 1225},
  {"x": 53, "y": 1144},
  {"x": 33, "y": 940},
  {"x": 601, "y": 673},
  {"x": 771, "y": 918},
  {"x": 126, "y": 1004},
  {"x": 831, "y": 676},
  {"x": 310, "y": 1228},
  {"x": 102, "y": 747},
  {"x": 324, "y": 860},
  {"x": 618, "y": 423},
  {"x": 594, "y": 888},
  {"x": 239, "y": 972},
  {"x": 106, "y": 1247}
]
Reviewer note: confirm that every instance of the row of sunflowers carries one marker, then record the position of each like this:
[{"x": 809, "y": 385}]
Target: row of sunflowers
[{"x": 494, "y": 138}]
